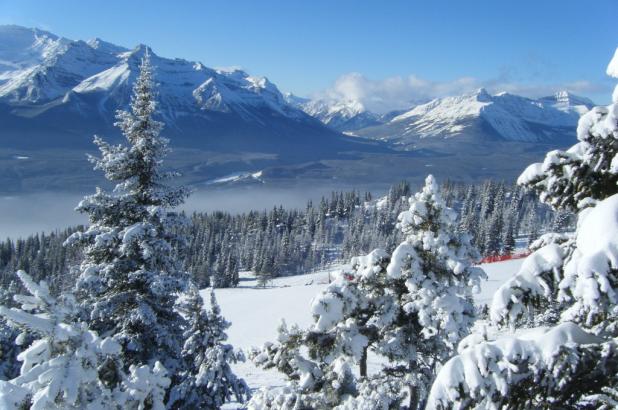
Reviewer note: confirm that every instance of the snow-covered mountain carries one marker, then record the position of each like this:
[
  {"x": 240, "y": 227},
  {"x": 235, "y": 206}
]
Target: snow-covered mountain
[
  {"x": 59, "y": 92},
  {"x": 340, "y": 115},
  {"x": 482, "y": 116},
  {"x": 38, "y": 67},
  {"x": 55, "y": 93},
  {"x": 568, "y": 102}
]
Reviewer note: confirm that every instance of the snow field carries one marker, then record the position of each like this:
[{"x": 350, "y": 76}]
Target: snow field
[{"x": 256, "y": 312}]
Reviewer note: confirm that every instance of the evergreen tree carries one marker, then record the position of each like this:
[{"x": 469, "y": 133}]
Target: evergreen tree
[
  {"x": 345, "y": 313},
  {"x": 561, "y": 221},
  {"x": 8, "y": 349},
  {"x": 314, "y": 383},
  {"x": 467, "y": 220},
  {"x": 509, "y": 238},
  {"x": 571, "y": 364},
  {"x": 130, "y": 277},
  {"x": 533, "y": 230},
  {"x": 209, "y": 382},
  {"x": 344, "y": 328},
  {"x": 63, "y": 367},
  {"x": 432, "y": 279},
  {"x": 494, "y": 225},
  {"x": 266, "y": 270},
  {"x": 145, "y": 387}
]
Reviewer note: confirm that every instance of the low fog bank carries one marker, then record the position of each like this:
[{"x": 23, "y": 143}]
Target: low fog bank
[
  {"x": 26, "y": 214},
  {"x": 258, "y": 198}
]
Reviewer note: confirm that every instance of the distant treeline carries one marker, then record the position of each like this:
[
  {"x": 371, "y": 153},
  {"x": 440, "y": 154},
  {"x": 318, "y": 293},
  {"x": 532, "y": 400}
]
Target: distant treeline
[{"x": 293, "y": 241}]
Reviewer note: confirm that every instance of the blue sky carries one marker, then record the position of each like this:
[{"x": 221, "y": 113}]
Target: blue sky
[{"x": 368, "y": 50}]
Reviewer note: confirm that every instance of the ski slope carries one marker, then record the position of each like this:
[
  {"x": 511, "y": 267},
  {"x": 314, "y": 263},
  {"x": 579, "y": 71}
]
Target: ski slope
[{"x": 256, "y": 312}]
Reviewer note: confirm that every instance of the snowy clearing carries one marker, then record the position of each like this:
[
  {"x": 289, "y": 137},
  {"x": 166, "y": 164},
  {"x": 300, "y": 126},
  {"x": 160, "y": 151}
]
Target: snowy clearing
[{"x": 256, "y": 312}]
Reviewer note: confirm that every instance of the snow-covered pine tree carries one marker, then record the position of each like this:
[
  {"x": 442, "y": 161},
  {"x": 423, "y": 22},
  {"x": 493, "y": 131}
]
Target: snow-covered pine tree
[
  {"x": 313, "y": 383},
  {"x": 397, "y": 191},
  {"x": 432, "y": 277},
  {"x": 487, "y": 194},
  {"x": 346, "y": 312},
  {"x": 231, "y": 270},
  {"x": 494, "y": 225},
  {"x": 378, "y": 391},
  {"x": 346, "y": 324},
  {"x": 130, "y": 276},
  {"x": 559, "y": 368},
  {"x": 561, "y": 221},
  {"x": 68, "y": 366},
  {"x": 145, "y": 387},
  {"x": 468, "y": 219},
  {"x": 568, "y": 180},
  {"x": 574, "y": 363},
  {"x": 350, "y": 317},
  {"x": 9, "y": 366},
  {"x": 510, "y": 221},
  {"x": 532, "y": 225},
  {"x": 508, "y": 240},
  {"x": 208, "y": 382}
]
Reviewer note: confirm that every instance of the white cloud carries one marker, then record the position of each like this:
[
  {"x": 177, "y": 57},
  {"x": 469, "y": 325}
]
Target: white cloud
[{"x": 401, "y": 92}]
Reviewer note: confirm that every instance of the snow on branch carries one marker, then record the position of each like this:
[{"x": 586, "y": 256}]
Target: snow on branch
[{"x": 488, "y": 375}]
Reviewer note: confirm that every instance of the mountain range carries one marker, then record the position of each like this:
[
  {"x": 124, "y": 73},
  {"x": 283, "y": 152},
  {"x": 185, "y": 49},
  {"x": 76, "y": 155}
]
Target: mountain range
[
  {"x": 509, "y": 116},
  {"x": 47, "y": 82},
  {"x": 55, "y": 93},
  {"x": 480, "y": 115}
]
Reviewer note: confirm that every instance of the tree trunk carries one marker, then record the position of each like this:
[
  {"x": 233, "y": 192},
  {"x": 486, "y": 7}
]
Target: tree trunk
[
  {"x": 363, "y": 363},
  {"x": 413, "y": 398}
]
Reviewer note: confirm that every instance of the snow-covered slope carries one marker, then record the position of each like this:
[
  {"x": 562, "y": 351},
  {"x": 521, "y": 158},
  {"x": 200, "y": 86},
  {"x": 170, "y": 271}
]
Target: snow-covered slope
[
  {"x": 37, "y": 66},
  {"x": 568, "y": 102},
  {"x": 483, "y": 116},
  {"x": 255, "y": 312},
  {"x": 341, "y": 115},
  {"x": 187, "y": 87}
]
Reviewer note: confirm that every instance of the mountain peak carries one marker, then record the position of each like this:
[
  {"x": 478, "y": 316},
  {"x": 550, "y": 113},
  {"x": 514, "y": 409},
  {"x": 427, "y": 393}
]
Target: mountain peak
[
  {"x": 341, "y": 115},
  {"x": 568, "y": 97},
  {"x": 101, "y": 45},
  {"x": 22, "y": 47},
  {"x": 562, "y": 94},
  {"x": 138, "y": 52},
  {"x": 568, "y": 102},
  {"x": 482, "y": 95}
]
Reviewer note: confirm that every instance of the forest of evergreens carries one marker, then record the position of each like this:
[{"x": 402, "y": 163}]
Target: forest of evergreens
[{"x": 286, "y": 241}]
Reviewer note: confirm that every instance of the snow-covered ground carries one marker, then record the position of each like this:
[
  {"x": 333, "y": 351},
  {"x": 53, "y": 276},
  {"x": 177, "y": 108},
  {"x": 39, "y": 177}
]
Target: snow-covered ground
[
  {"x": 256, "y": 312},
  {"x": 497, "y": 274}
]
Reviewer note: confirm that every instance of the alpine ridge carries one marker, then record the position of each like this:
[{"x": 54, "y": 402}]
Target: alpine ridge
[
  {"x": 48, "y": 82},
  {"x": 481, "y": 116}
]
